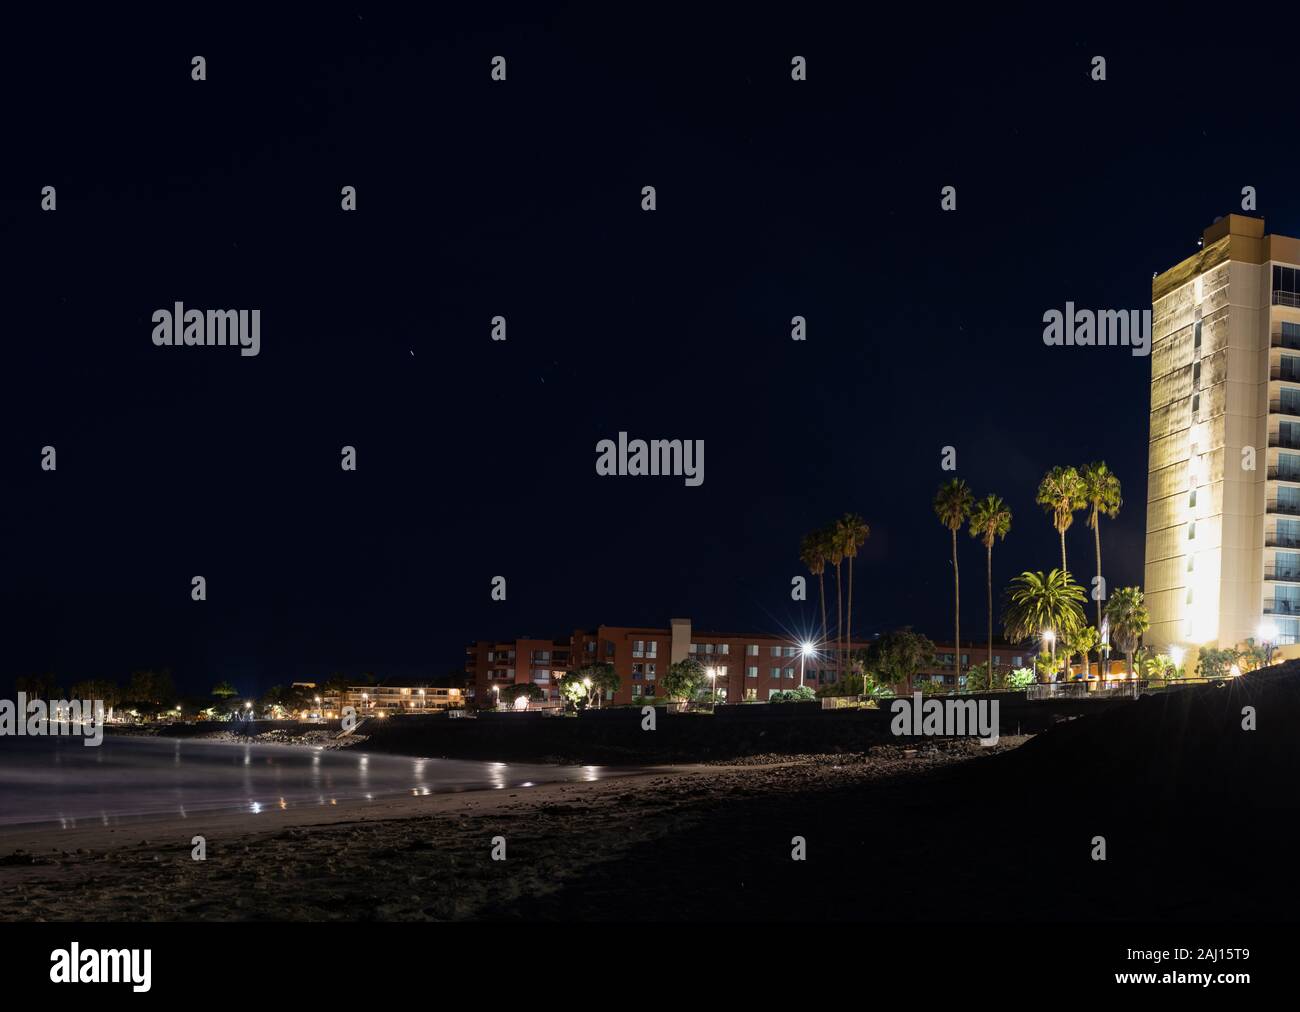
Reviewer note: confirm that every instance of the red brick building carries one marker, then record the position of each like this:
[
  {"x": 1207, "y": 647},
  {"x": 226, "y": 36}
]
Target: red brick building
[{"x": 742, "y": 666}]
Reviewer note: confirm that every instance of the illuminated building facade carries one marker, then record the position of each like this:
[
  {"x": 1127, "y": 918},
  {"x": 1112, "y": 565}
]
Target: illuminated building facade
[{"x": 1223, "y": 493}]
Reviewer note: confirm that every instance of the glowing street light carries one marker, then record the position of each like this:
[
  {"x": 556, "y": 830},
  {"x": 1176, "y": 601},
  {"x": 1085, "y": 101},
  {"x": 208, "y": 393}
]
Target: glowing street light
[
  {"x": 713, "y": 677},
  {"x": 1176, "y": 654},
  {"x": 1268, "y": 636},
  {"x": 804, "y": 653}
]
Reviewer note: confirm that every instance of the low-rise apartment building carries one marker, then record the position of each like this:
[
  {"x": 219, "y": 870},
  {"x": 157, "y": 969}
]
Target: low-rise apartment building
[{"x": 740, "y": 666}]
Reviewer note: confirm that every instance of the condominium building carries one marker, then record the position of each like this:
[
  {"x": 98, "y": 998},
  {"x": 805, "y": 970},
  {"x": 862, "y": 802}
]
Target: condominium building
[
  {"x": 740, "y": 666},
  {"x": 1223, "y": 495},
  {"x": 391, "y": 700}
]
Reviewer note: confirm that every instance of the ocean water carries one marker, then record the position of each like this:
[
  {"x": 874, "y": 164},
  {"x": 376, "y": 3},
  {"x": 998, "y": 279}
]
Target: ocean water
[{"x": 60, "y": 780}]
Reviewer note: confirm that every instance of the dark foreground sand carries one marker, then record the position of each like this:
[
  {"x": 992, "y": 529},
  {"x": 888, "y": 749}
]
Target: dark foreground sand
[{"x": 657, "y": 844}]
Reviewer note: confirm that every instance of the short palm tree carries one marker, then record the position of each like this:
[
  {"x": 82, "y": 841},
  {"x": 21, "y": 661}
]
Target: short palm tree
[
  {"x": 1039, "y": 602},
  {"x": 1101, "y": 493},
  {"x": 1128, "y": 617},
  {"x": 1060, "y": 493},
  {"x": 952, "y": 506},
  {"x": 854, "y": 533},
  {"x": 1085, "y": 640},
  {"x": 990, "y": 520}
]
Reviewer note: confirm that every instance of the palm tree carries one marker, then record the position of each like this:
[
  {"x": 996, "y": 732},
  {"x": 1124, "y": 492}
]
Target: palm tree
[
  {"x": 952, "y": 506},
  {"x": 854, "y": 531},
  {"x": 835, "y": 556},
  {"x": 1060, "y": 493},
  {"x": 990, "y": 520},
  {"x": 1085, "y": 640},
  {"x": 1101, "y": 492},
  {"x": 1039, "y": 602},
  {"x": 812, "y": 552},
  {"x": 1129, "y": 619}
]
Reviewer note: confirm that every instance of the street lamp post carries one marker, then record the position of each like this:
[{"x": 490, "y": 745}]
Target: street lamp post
[
  {"x": 1049, "y": 637},
  {"x": 713, "y": 677},
  {"x": 804, "y": 654}
]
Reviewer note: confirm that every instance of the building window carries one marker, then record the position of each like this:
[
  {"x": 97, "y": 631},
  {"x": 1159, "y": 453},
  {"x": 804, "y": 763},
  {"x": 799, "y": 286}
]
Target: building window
[
  {"x": 1196, "y": 376},
  {"x": 776, "y": 673},
  {"x": 1191, "y": 531},
  {"x": 751, "y": 671},
  {"x": 652, "y": 648},
  {"x": 638, "y": 672},
  {"x": 1196, "y": 338},
  {"x": 638, "y": 648},
  {"x": 751, "y": 650},
  {"x": 1191, "y": 499},
  {"x": 776, "y": 651},
  {"x": 1286, "y": 286}
]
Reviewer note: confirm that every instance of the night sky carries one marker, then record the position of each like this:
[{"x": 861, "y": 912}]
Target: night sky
[{"x": 478, "y": 198}]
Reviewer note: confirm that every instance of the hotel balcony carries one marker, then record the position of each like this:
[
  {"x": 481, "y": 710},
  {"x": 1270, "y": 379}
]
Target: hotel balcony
[
  {"x": 1283, "y": 574},
  {"x": 1284, "y": 441},
  {"x": 1276, "y": 407},
  {"x": 1276, "y": 473},
  {"x": 1287, "y": 508},
  {"x": 1286, "y": 373},
  {"x": 1280, "y": 340},
  {"x": 1281, "y": 541}
]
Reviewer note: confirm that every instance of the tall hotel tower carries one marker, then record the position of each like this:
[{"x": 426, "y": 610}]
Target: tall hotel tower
[{"x": 1223, "y": 489}]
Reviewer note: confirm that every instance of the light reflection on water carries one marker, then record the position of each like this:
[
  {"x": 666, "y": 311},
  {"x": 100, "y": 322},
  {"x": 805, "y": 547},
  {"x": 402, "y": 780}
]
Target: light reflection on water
[{"x": 61, "y": 781}]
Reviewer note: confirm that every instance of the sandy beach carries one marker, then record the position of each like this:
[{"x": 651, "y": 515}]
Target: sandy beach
[{"x": 429, "y": 858}]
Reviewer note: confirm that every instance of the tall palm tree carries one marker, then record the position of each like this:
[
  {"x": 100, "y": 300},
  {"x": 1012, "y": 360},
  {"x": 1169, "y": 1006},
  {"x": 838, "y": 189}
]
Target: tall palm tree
[
  {"x": 1038, "y": 602},
  {"x": 854, "y": 531},
  {"x": 990, "y": 520},
  {"x": 812, "y": 552},
  {"x": 1060, "y": 493},
  {"x": 1129, "y": 619},
  {"x": 952, "y": 506},
  {"x": 1101, "y": 492},
  {"x": 835, "y": 556}
]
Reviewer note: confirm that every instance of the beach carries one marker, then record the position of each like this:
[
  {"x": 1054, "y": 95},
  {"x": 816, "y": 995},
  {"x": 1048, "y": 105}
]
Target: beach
[{"x": 567, "y": 846}]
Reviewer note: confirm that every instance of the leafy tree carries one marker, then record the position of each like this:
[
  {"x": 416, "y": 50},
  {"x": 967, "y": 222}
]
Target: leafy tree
[
  {"x": 1101, "y": 494},
  {"x": 990, "y": 520},
  {"x": 526, "y": 690},
  {"x": 1128, "y": 618},
  {"x": 97, "y": 688},
  {"x": 1213, "y": 663},
  {"x": 952, "y": 505},
  {"x": 602, "y": 676},
  {"x": 153, "y": 687},
  {"x": 897, "y": 656},
  {"x": 683, "y": 679},
  {"x": 1060, "y": 493},
  {"x": 224, "y": 690}
]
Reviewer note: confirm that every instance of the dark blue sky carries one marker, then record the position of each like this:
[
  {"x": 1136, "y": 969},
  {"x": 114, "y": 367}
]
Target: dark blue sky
[{"x": 475, "y": 199}]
